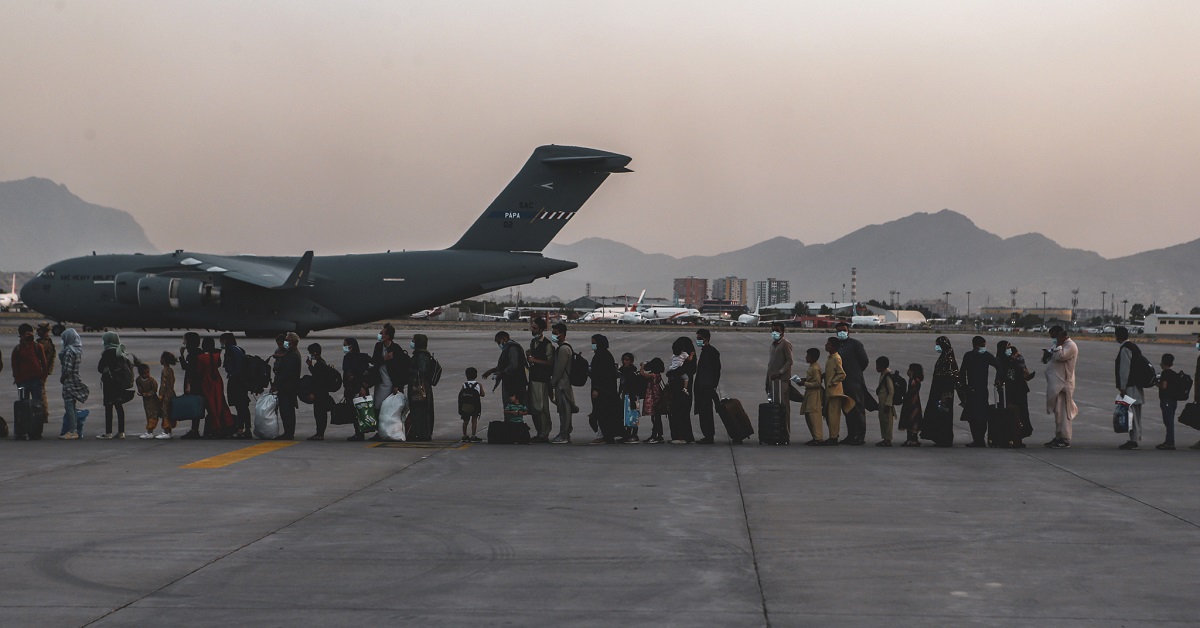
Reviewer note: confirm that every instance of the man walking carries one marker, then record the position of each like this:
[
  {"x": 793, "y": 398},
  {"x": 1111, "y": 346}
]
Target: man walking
[
  {"x": 855, "y": 362},
  {"x": 1060, "y": 386},
  {"x": 976, "y": 383},
  {"x": 779, "y": 371},
  {"x": 1129, "y": 386},
  {"x": 561, "y": 392},
  {"x": 540, "y": 357},
  {"x": 509, "y": 370},
  {"x": 704, "y": 389}
]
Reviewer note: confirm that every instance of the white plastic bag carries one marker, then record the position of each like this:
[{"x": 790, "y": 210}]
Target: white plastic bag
[
  {"x": 266, "y": 417},
  {"x": 391, "y": 417}
]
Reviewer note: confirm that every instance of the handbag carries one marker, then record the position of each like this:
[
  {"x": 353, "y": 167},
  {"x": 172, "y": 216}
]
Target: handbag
[
  {"x": 870, "y": 404},
  {"x": 1121, "y": 418},
  {"x": 343, "y": 413},
  {"x": 1190, "y": 416}
]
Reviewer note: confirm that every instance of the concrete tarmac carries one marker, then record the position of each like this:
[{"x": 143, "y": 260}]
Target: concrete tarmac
[{"x": 116, "y": 533}]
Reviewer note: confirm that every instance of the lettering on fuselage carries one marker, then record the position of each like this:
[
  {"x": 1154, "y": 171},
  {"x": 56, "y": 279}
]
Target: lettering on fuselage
[{"x": 87, "y": 277}]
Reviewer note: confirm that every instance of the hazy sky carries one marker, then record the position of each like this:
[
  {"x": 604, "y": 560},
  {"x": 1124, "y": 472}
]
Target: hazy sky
[{"x": 275, "y": 127}]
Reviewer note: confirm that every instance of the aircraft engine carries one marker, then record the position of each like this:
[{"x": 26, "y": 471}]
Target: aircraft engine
[
  {"x": 176, "y": 293},
  {"x": 126, "y": 287}
]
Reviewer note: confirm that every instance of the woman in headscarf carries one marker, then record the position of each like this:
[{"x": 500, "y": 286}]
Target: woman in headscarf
[
  {"x": 420, "y": 390},
  {"x": 355, "y": 364},
  {"x": 679, "y": 376},
  {"x": 218, "y": 420},
  {"x": 938, "y": 421},
  {"x": 606, "y": 402},
  {"x": 1011, "y": 382},
  {"x": 74, "y": 391},
  {"x": 116, "y": 377}
]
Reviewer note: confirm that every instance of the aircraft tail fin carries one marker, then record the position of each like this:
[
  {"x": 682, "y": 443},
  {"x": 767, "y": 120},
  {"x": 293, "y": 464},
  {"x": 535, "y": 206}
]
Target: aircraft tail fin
[{"x": 541, "y": 199}]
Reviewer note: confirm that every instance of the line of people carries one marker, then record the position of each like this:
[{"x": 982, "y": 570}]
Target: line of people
[{"x": 541, "y": 378}]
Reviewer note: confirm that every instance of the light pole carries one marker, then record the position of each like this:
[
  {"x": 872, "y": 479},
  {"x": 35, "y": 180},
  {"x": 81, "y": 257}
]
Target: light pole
[
  {"x": 1124, "y": 304},
  {"x": 946, "y": 300},
  {"x": 1103, "y": 307},
  {"x": 1043, "y": 304},
  {"x": 831, "y": 301},
  {"x": 968, "y": 304}
]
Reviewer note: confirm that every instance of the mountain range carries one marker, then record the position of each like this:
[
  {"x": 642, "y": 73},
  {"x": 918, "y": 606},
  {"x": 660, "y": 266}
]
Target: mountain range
[
  {"x": 922, "y": 256},
  {"x": 44, "y": 222}
]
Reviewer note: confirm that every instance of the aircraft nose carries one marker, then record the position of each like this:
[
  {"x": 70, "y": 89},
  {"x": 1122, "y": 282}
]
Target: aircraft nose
[{"x": 29, "y": 291}]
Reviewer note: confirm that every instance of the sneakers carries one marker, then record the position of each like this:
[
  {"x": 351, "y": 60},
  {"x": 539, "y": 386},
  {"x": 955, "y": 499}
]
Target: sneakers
[
  {"x": 1132, "y": 444},
  {"x": 163, "y": 436},
  {"x": 1058, "y": 444},
  {"x": 597, "y": 441},
  {"x": 146, "y": 436},
  {"x": 654, "y": 440},
  {"x": 1165, "y": 447},
  {"x": 632, "y": 440},
  {"x": 69, "y": 436},
  {"x": 1053, "y": 442},
  {"x": 104, "y": 436},
  {"x": 476, "y": 439},
  {"x": 560, "y": 440},
  {"x": 911, "y": 443},
  {"x": 466, "y": 439},
  {"x": 121, "y": 435}
]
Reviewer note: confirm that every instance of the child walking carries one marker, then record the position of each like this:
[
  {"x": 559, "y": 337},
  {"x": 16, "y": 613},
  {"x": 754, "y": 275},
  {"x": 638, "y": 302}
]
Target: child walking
[
  {"x": 166, "y": 392},
  {"x": 910, "y": 413},
  {"x": 652, "y": 405},
  {"x": 814, "y": 397},
  {"x": 147, "y": 389},
  {"x": 470, "y": 405},
  {"x": 632, "y": 389}
]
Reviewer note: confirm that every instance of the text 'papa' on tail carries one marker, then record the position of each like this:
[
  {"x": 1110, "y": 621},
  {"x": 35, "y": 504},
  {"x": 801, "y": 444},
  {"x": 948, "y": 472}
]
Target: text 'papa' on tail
[{"x": 538, "y": 202}]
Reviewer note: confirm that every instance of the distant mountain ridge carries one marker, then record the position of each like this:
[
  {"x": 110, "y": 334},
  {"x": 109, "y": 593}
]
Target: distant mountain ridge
[
  {"x": 45, "y": 222},
  {"x": 922, "y": 256}
]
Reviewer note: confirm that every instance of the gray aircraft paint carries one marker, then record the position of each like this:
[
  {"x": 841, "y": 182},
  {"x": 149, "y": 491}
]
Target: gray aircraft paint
[{"x": 276, "y": 294}]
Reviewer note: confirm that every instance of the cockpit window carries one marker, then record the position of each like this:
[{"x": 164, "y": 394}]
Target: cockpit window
[{"x": 48, "y": 273}]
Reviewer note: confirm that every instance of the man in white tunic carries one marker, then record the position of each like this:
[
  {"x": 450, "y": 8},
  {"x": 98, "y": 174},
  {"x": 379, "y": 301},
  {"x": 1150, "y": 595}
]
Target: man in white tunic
[{"x": 1060, "y": 386}]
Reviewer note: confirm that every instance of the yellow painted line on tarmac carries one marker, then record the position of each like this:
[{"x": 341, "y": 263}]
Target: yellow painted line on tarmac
[{"x": 245, "y": 453}]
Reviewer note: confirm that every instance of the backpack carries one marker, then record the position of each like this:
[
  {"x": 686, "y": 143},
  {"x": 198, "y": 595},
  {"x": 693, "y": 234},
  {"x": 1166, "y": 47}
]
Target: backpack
[
  {"x": 256, "y": 374},
  {"x": 328, "y": 378},
  {"x": 1183, "y": 386},
  {"x": 1141, "y": 372},
  {"x": 899, "y": 387},
  {"x": 469, "y": 403},
  {"x": 579, "y": 369},
  {"x": 121, "y": 375},
  {"x": 435, "y": 371}
]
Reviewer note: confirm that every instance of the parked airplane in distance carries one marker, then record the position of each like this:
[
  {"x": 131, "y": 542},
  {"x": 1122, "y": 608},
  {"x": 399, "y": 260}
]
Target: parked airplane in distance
[
  {"x": 269, "y": 295},
  {"x": 611, "y": 314},
  {"x": 11, "y": 300},
  {"x": 873, "y": 320},
  {"x": 751, "y": 319},
  {"x": 658, "y": 314},
  {"x": 423, "y": 314}
]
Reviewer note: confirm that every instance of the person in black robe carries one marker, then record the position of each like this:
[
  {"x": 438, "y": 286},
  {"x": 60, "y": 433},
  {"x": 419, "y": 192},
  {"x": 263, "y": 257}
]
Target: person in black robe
[
  {"x": 974, "y": 382},
  {"x": 606, "y": 401},
  {"x": 938, "y": 421}
]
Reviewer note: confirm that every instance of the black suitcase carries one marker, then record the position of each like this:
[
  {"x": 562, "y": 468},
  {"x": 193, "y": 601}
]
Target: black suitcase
[
  {"x": 508, "y": 433},
  {"x": 734, "y": 418},
  {"x": 27, "y": 417},
  {"x": 771, "y": 427},
  {"x": 1003, "y": 423}
]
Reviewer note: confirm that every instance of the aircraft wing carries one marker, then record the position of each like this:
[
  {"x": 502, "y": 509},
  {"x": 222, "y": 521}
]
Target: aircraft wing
[{"x": 264, "y": 273}]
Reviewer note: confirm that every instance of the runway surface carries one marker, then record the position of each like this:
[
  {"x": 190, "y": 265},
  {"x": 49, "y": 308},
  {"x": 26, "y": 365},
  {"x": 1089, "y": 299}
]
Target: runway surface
[{"x": 115, "y": 533}]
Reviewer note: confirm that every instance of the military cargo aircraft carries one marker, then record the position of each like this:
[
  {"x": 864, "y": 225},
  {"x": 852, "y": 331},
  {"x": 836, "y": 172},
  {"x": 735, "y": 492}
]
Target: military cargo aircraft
[{"x": 269, "y": 295}]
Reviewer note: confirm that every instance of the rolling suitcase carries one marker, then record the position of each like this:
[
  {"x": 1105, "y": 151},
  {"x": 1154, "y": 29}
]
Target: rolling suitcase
[
  {"x": 734, "y": 418},
  {"x": 27, "y": 417},
  {"x": 771, "y": 427},
  {"x": 187, "y": 408},
  {"x": 508, "y": 433}
]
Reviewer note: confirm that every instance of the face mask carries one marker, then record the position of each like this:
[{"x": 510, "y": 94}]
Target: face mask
[
  {"x": 937, "y": 348},
  {"x": 593, "y": 346},
  {"x": 776, "y": 335},
  {"x": 1008, "y": 352},
  {"x": 1198, "y": 346},
  {"x": 312, "y": 357},
  {"x": 412, "y": 345},
  {"x": 842, "y": 335},
  {"x": 345, "y": 349},
  {"x": 500, "y": 345},
  {"x": 983, "y": 349},
  {"x": 554, "y": 337},
  {"x": 287, "y": 344},
  {"x": 536, "y": 333},
  {"x": 379, "y": 337},
  {"x": 699, "y": 343}
]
